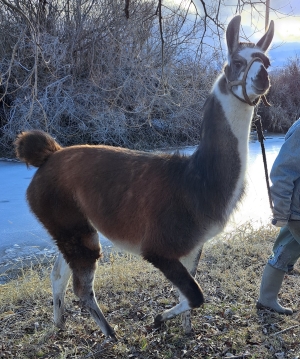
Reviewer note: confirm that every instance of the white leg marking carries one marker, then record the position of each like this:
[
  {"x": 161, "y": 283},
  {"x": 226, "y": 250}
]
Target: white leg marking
[
  {"x": 192, "y": 259},
  {"x": 186, "y": 316},
  {"x": 177, "y": 309},
  {"x": 190, "y": 262},
  {"x": 60, "y": 276},
  {"x": 187, "y": 322}
]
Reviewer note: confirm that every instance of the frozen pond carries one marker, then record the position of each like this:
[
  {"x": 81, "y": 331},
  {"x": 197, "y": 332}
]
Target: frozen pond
[
  {"x": 22, "y": 236},
  {"x": 255, "y": 207}
]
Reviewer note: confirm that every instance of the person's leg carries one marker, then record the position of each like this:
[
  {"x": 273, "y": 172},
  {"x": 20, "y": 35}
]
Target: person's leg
[
  {"x": 290, "y": 268},
  {"x": 294, "y": 227},
  {"x": 286, "y": 251}
]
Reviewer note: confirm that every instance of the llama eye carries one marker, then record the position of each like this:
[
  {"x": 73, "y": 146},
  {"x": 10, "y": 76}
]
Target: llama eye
[{"x": 238, "y": 64}]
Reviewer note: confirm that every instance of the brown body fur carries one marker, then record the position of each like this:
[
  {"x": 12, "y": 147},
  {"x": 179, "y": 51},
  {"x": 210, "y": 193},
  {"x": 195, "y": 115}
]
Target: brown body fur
[
  {"x": 125, "y": 209},
  {"x": 133, "y": 198}
]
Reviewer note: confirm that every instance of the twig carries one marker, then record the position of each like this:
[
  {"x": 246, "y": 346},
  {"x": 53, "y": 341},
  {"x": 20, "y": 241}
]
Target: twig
[
  {"x": 101, "y": 348},
  {"x": 152, "y": 298},
  {"x": 11, "y": 64},
  {"x": 242, "y": 356},
  {"x": 126, "y": 9},
  {"x": 161, "y": 36},
  {"x": 15, "y": 8},
  {"x": 285, "y": 330},
  {"x": 96, "y": 355}
]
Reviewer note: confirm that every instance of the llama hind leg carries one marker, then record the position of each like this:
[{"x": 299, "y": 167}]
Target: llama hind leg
[
  {"x": 83, "y": 277},
  {"x": 81, "y": 248},
  {"x": 76, "y": 238},
  {"x": 82, "y": 252},
  {"x": 60, "y": 276},
  {"x": 191, "y": 263},
  {"x": 174, "y": 270}
]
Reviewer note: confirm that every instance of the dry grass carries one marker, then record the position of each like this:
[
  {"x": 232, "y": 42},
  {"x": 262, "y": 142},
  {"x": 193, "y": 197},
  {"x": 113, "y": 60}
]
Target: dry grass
[{"x": 131, "y": 292}]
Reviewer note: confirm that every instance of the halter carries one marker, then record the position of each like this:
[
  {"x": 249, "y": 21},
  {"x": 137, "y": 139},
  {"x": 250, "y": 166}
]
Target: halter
[{"x": 242, "y": 82}]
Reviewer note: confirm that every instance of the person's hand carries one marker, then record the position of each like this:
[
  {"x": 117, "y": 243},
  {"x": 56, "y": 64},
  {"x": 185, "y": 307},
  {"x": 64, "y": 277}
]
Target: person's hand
[{"x": 279, "y": 222}]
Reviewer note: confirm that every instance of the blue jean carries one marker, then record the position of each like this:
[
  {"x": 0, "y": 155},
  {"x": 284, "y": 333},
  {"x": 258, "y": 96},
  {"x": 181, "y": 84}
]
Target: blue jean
[{"x": 286, "y": 249}]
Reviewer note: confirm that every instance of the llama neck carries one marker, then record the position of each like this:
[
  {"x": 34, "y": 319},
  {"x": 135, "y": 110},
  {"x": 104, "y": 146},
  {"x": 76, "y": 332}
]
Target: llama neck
[
  {"x": 238, "y": 115},
  {"x": 221, "y": 158}
]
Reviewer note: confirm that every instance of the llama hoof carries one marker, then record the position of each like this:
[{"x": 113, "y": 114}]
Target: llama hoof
[
  {"x": 108, "y": 341},
  {"x": 112, "y": 338},
  {"x": 158, "y": 321},
  {"x": 61, "y": 324},
  {"x": 188, "y": 330},
  {"x": 61, "y": 327},
  {"x": 111, "y": 335},
  {"x": 115, "y": 338}
]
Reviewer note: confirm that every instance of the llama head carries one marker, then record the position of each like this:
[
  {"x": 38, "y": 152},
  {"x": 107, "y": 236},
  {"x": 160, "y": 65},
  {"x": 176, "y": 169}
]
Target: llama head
[{"x": 246, "y": 71}]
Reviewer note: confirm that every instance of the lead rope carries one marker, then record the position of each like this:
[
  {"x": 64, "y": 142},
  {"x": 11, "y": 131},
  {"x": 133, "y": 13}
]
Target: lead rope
[{"x": 261, "y": 138}]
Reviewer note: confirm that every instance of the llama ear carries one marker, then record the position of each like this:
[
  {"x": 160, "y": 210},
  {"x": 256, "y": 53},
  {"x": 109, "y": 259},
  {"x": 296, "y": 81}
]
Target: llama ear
[
  {"x": 266, "y": 40},
  {"x": 233, "y": 34}
]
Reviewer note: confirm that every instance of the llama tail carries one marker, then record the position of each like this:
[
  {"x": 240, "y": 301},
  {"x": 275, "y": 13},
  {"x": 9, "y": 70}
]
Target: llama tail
[{"x": 35, "y": 147}]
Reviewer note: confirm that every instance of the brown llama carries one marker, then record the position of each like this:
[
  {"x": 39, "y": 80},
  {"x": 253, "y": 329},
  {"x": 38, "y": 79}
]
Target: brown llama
[{"x": 163, "y": 207}]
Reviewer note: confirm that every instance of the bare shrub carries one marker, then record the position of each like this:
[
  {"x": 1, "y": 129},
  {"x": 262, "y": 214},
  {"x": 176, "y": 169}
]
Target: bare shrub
[
  {"x": 284, "y": 97},
  {"x": 84, "y": 73}
]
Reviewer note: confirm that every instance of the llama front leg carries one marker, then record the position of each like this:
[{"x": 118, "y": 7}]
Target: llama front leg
[
  {"x": 60, "y": 276},
  {"x": 83, "y": 278},
  {"x": 191, "y": 293},
  {"x": 191, "y": 263}
]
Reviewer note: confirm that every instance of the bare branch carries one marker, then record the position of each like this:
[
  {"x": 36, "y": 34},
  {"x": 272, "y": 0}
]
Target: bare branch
[{"x": 127, "y": 8}]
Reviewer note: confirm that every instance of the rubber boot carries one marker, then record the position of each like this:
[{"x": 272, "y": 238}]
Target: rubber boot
[{"x": 270, "y": 285}]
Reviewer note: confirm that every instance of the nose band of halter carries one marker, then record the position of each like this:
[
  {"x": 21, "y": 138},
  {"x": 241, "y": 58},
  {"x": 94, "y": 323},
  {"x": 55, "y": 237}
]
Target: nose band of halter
[{"x": 242, "y": 83}]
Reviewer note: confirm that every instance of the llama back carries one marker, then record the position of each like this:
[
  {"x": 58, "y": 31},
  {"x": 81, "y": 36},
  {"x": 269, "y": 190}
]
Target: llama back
[{"x": 35, "y": 147}]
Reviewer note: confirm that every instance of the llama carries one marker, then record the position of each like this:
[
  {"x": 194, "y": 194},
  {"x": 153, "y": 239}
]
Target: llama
[{"x": 162, "y": 207}]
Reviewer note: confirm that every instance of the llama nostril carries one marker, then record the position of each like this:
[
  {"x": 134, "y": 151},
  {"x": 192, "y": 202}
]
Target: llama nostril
[{"x": 262, "y": 75}]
